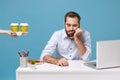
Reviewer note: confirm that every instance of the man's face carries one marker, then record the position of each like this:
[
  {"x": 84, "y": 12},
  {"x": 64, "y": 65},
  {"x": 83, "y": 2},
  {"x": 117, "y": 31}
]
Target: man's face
[{"x": 71, "y": 25}]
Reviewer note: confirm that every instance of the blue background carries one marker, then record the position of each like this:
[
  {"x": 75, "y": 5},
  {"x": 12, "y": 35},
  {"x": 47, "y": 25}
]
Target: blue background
[{"x": 100, "y": 17}]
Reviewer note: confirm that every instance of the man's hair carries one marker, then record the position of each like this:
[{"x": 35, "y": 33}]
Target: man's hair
[{"x": 73, "y": 14}]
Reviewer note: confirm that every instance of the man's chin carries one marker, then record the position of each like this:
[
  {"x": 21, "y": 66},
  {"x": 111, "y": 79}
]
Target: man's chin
[{"x": 71, "y": 36}]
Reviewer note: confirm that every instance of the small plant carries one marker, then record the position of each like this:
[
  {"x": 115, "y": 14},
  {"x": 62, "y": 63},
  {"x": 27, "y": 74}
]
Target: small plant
[{"x": 32, "y": 61}]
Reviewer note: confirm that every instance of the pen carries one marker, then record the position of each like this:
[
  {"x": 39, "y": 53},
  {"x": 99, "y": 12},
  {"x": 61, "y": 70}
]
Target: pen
[
  {"x": 19, "y": 54},
  {"x": 27, "y": 53},
  {"x": 24, "y": 54}
]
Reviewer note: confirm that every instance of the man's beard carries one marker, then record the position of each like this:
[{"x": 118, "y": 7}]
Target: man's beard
[{"x": 70, "y": 35}]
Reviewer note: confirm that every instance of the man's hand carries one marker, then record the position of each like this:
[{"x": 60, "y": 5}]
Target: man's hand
[
  {"x": 79, "y": 43},
  {"x": 62, "y": 62},
  {"x": 13, "y": 34},
  {"x": 78, "y": 33},
  {"x": 10, "y": 33}
]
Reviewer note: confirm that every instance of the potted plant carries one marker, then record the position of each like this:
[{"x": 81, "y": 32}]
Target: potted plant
[{"x": 32, "y": 62}]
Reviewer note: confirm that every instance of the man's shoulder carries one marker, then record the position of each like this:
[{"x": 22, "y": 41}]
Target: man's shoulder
[
  {"x": 59, "y": 31},
  {"x": 85, "y": 32}
]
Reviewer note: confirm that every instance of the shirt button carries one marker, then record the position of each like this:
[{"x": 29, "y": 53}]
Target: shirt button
[{"x": 70, "y": 48}]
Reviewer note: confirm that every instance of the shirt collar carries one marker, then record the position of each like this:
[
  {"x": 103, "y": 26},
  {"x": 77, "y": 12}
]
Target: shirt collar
[{"x": 64, "y": 34}]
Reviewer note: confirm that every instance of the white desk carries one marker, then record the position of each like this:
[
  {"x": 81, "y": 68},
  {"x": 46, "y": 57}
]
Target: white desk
[{"x": 75, "y": 71}]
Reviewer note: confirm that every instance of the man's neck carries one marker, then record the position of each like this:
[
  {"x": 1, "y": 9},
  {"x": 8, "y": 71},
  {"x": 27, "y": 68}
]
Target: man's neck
[{"x": 72, "y": 38}]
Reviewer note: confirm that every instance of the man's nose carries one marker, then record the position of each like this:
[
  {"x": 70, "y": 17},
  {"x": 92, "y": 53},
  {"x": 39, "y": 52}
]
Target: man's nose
[{"x": 71, "y": 27}]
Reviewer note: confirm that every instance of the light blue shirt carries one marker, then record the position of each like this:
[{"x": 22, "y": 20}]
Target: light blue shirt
[{"x": 65, "y": 47}]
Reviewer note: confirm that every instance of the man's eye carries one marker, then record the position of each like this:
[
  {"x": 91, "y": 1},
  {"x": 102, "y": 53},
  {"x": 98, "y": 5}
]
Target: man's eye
[
  {"x": 75, "y": 25},
  {"x": 68, "y": 25}
]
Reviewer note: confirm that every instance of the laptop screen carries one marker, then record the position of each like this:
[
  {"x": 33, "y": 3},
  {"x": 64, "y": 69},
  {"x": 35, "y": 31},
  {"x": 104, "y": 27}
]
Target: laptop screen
[{"x": 108, "y": 54}]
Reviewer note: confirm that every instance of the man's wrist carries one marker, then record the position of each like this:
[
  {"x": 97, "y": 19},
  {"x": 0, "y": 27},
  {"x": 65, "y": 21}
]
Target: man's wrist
[
  {"x": 56, "y": 62},
  {"x": 7, "y": 32},
  {"x": 76, "y": 38}
]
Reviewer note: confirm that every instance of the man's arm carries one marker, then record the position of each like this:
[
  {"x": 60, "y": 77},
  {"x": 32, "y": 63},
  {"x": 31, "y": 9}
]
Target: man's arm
[
  {"x": 50, "y": 59},
  {"x": 5, "y": 32},
  {"x": 81, "y": 47},
  {"x": 59, "y": 62},
  {"x": 9, "y": 32},
  {"x": 46, "y": 55}
]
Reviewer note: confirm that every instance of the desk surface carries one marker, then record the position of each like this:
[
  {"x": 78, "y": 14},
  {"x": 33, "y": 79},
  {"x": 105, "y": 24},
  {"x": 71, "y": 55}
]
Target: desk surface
[
  {"x": 74, "y": 66},
  {"x": 75, "y": 71}
]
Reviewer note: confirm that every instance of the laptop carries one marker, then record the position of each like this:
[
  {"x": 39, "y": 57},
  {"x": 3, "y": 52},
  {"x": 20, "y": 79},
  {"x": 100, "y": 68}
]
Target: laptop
[{"x": 107, "y": 55}]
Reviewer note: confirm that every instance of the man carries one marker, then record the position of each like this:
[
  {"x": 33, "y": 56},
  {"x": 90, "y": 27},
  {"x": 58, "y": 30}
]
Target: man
[
  {"x": 71, "y": 43},
  {"x": 9, "y": 32}
]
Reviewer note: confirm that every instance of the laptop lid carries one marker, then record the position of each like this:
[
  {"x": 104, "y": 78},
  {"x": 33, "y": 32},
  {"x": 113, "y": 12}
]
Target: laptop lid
[{"x": 108, "y": 54}]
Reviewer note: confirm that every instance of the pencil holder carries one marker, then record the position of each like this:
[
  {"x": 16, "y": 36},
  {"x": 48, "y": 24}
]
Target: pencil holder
[{"x": 23, "y": 61}]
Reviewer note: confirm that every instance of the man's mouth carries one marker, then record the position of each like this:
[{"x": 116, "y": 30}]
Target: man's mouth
[{"x": 71, "y": 33}]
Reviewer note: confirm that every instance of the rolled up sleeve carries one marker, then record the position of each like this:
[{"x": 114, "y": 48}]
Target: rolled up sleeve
[
  {"x": 87, "y": 42},
  {"x": 50, "y": 47}
]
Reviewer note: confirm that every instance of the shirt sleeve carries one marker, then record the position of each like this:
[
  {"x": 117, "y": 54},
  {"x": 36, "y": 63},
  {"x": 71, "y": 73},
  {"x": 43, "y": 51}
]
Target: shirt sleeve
[
  {"x": 50, "y": 46},
  {"x": 87, "y": 42}
]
